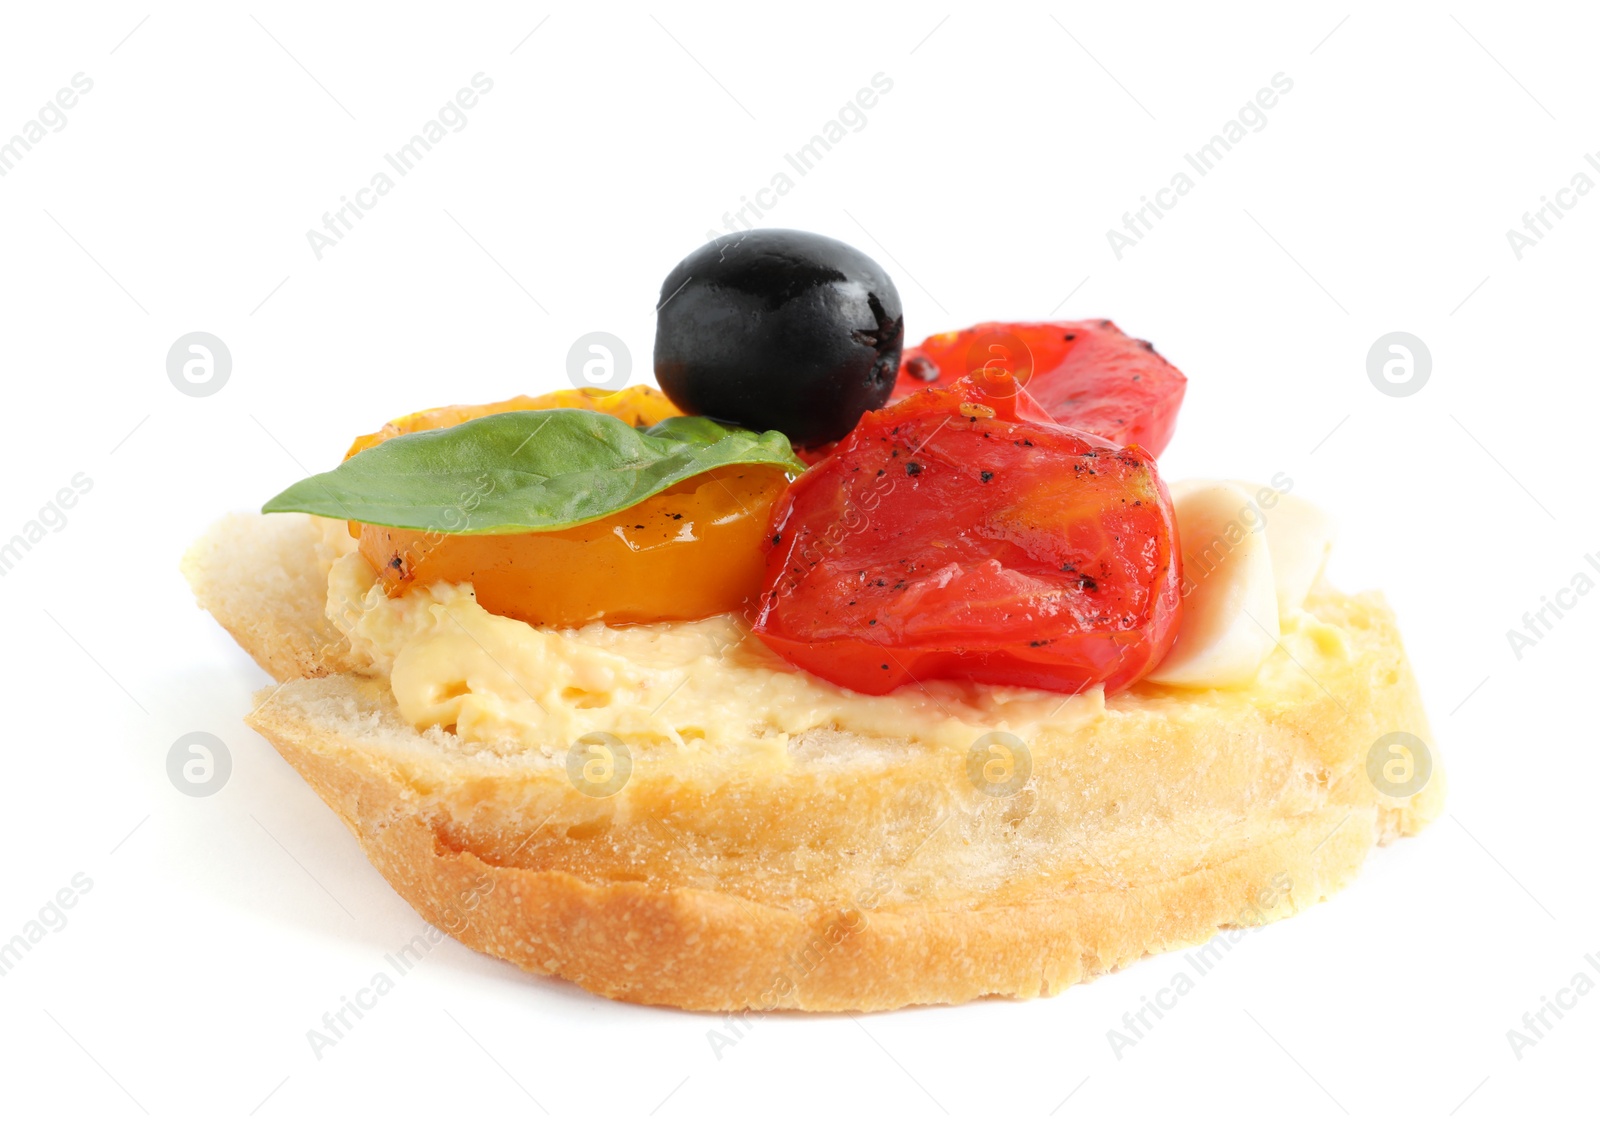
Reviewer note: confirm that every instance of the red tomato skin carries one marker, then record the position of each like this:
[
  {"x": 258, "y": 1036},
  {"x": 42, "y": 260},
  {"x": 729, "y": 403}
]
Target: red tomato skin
[
  {"x": 868, "y": 645},
  {"x": 1087, "y": 375}
]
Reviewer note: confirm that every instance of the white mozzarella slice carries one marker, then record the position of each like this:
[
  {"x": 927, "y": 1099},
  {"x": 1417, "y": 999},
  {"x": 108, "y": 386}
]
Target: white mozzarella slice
[
  {"x": 1300, "y": 534},
  {"x": 1230, "y": 599}
]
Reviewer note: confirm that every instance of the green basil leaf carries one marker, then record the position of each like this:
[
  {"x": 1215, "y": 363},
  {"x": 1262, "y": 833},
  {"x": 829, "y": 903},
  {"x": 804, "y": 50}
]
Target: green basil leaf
[{"x": 514, "y": 472}]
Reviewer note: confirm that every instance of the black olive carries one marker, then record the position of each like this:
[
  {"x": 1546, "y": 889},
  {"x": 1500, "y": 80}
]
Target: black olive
[{"x": 779, "y": 329}]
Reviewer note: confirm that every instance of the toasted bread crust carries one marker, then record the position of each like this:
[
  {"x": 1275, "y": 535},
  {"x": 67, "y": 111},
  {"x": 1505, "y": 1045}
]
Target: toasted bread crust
[
  {"x": 265, "y": 579},
  {"x": 862, "y": 875}
]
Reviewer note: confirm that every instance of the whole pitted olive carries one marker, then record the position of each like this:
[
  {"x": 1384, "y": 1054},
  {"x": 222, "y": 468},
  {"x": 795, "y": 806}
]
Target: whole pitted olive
[{"x": 779, "y": 329}]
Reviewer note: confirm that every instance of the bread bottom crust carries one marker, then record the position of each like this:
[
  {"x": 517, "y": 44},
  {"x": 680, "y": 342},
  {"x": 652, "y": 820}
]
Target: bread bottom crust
[{"x": 707, "y": 950}]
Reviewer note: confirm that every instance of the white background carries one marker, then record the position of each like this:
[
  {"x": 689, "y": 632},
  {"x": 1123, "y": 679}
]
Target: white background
[{"x": 1377, "y": 198}]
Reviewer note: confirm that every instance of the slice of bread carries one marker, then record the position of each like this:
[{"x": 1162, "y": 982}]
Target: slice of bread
[{"x": 860, "y": 873}]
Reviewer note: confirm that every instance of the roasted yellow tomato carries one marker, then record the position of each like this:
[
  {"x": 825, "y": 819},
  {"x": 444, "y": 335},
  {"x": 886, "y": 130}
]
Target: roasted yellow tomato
[{"x": 691, "y": 551}]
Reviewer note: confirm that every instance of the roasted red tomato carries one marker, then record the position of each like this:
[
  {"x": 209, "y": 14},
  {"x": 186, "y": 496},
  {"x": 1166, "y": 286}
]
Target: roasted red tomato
[
  {"x": 1087, "y": 375},
  {"x": 963, "y": 534}
]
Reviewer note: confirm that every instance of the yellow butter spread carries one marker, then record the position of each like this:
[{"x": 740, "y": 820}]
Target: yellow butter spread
[{"x": 452, "y": 664}]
